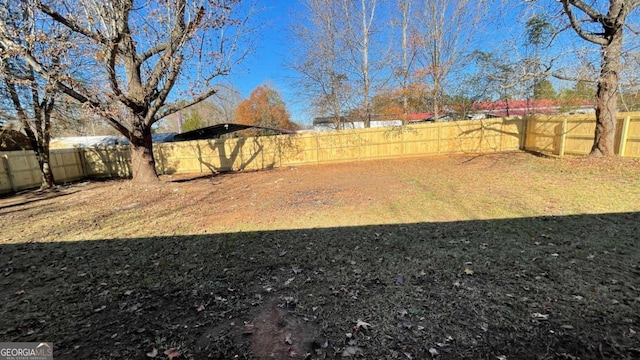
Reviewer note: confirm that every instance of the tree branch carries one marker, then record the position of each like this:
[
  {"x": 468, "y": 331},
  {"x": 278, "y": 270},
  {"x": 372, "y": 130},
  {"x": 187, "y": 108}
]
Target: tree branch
[
  {"x": 634, "y": 31},
  {"x": 162, "y": 95},
  {"x": 54, "y": 81},
  {"x": 173, "y": 108},
  {"x": 15, "y": 100},
  {"x": 587, "y": 9},
  {"x": 72, "y": 25},
  {"x": 566, "y": 4},
  {"x": 178, "y": 37},
  {"x": 112, "y": 56},
  {"x": 151, "y": 52}
]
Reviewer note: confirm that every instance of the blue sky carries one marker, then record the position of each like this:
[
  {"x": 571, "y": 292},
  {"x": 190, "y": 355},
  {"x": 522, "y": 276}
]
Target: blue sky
[{"x": 267, "y": 64}]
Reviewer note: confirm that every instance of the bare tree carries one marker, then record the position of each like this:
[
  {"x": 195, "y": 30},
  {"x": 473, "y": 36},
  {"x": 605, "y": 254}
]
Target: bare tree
[
  {"x": 359, "y": 22},
  {"x": 603, "y": 23},
  {"x": 27, "y": 98},
  {"x": 630, "y": 83},
  {"x": 320, "y": 59},
  {"x": 446, "y": 30},
  {"x": 408, "y": 57},
  {"x": 225, "y": 102},
  {"x": 141, "y": 52}
]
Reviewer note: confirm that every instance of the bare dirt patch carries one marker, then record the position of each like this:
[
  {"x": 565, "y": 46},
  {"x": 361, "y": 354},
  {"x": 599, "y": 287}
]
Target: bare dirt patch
[{"x": 468, "y": 257}]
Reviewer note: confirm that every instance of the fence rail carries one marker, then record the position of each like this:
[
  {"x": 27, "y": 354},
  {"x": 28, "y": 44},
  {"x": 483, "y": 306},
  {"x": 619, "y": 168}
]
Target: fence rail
[{"x": 560, "y": 135}]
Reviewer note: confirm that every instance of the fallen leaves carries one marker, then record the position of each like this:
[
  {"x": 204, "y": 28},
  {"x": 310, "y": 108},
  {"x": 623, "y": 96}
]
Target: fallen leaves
[
  {"x": 539, "y": 316},
  {"x": 435, "y": 287},
  {"x": 361, "y": 325},
  {"x": 172, "y": 353},
  {"x": 153, "y": 353},
  {"x": 351, "y": 351}
]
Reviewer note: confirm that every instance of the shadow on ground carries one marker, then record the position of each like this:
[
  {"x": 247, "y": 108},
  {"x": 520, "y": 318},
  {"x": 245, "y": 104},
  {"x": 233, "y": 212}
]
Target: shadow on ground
[{"x": 531, "y": 288}]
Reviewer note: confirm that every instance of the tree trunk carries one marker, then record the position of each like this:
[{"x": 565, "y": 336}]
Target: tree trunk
[
  {"x": 40, "y": 147},
  {"x": 143, "y": 164},
  {"x": 436, "y": 98},
  {"x": 606, "y": 97},
  {"x": 48, "y": 181},
  {"x": 436, "y": 108},
  {"x": 404, "y": 6}
]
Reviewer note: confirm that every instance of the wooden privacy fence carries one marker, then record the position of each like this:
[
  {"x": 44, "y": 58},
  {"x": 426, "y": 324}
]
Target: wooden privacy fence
[
  {"x": 19, "y": 169},
  {"x": 573, "y": 134},
  {"x": 555, "y": 135},
  {"x": 339, "y": 146}
]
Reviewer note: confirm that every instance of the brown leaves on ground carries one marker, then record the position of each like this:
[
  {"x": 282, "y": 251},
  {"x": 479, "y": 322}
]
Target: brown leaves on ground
[{"x": 251, "y": 266}]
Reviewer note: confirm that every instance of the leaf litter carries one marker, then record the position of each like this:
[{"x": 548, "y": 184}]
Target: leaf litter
[{"x": 236, "y": 276}]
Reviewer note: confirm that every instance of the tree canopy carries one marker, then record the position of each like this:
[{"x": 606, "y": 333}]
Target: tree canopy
[{"x": 265, "y": 107}]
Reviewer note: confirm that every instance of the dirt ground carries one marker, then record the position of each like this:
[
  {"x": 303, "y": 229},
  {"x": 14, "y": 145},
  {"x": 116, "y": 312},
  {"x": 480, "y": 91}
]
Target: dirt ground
[{"x": 507, "y": 255}]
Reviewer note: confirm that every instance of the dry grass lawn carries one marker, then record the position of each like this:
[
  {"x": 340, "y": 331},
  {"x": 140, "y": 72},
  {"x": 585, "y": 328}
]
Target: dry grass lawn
[{"x": 454, "y": 257}]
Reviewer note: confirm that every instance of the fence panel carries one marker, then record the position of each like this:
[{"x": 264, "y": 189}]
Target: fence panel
[
  {"x": 541, "y": 135},
  {"x": 23, "y": 169},
  {"x": 421, "y": 139},
  {"x": 632, "y": 145},
  {"x": 460, "y": 137},
  {"x": 545, "y": 134},
  {"x": 512, "y": 133},
  {"x": 6, "y": 185},
  {"x": 298, "y": 150},
  {"x": 106, "y": 161},
  {"x": 66, "y": 165},
  {"x": 578, "y": 136},
  {"x": 340, "y": 146}
]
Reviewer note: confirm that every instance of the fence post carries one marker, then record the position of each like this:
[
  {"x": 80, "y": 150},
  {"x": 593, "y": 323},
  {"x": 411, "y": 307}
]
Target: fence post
[
  {"x": 317, "y": 147},
  {"x": 623, "y": 135},
  {"x": 482, "y": 134},
  {"x": 5, "y": 160},
  {"x": 523, "y": 136},
  {"x": 438, "y": 127},
  {"x": 82, "y": 161},
  {"x": 563, "y": 136},
  {"x": 402, "y": 130}
]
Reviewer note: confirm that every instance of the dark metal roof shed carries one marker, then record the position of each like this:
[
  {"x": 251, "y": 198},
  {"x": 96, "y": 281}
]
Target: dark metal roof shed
[{"x": 215, "y": 131}]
